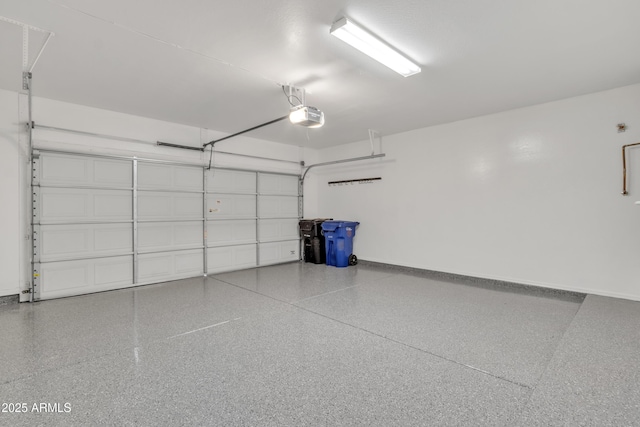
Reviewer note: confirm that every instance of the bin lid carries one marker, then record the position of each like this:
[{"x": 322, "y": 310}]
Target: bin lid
[
  {"x": 332, "y": 225},
  {"x": 318, "y": 220}
]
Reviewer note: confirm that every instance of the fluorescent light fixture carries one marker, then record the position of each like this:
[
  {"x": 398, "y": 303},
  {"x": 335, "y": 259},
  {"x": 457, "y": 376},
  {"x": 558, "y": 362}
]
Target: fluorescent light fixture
[
  {"x": 369, "y": 44},
  {"x": 310, "y": 117}
]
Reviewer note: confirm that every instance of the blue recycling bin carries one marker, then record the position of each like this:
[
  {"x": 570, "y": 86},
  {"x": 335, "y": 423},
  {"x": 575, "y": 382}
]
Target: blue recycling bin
[{"x": 338, "y": 236}]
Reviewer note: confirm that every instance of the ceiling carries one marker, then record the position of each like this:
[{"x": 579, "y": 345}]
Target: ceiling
[{"x": 219, "y": 64}]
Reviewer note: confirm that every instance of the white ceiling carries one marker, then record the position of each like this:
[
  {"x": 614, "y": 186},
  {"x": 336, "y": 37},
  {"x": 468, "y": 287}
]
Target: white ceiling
[{"x": 218, "y": 64}]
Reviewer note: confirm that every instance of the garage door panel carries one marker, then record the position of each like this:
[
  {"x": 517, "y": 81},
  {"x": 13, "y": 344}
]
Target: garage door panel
[
  {"x": 112, "y": 173},
  {"x": 230, "y": 206},
  {"x": 58, "y": 279},
  {"x": 62, "y": 205},
  {"x": 189, "y": 263},
  {"x": 156, "y": 205},
  {"x": 113, "y": 271},
  {"x": 231, "y": 232},
  {"x": 278, "y": 184},
  {"x": 113, "y": 237},
  {"x": 170, "y": 265},
  {"x": 188, "y": 233},
  {"x": 109, "y": 206},
  {"x": 64, "y": 170},
  {"x": 188, "y": 206},
  {"x": 278, "y": 207},
  {"x": 158, "y": 236},
  {"x": 230, "y": 258},
  {"x": 188, "y": 178},
  {"x": 65, "y": 275},
  {"x": 83, "y": 205},
  {"x": 60, "y": 242},
  {"x": 278, "y": 252},
  {"x": 278, "y": 229},
  {"x": 82, "y": 171},
  {"x": 154, "y": 266},
  {"x": 229, "y": 181},
  {"x": 169, "y": 177}
]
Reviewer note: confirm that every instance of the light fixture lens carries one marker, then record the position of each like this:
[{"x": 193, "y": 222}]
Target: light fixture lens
[
  {"x": 298, "y": 115},
  {"x": 368, "y": 44},
  {"x": 309, "y": 117}
]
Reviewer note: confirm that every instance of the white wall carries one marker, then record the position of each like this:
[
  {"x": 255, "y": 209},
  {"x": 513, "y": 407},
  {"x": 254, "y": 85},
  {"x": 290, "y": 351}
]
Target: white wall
[
  {"x": 10, "y": 197},
  {"x": 14, "y": 251},
  {"x": 529, "y": 195}
]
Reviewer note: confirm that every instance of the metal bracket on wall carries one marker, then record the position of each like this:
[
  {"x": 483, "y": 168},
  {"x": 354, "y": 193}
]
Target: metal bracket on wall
[
  {"x": 26, "y": 66},
  {"x": 300, "y": 199},
  {"x": 300, "y": 214},
  {"x": 26, "y": 76},
  {"x": 258, "y": 219},
  {"x": 35, "y": 217},
  {"x": 35, "y": 290},
  {"x": 134, "y": 217},
  {"x": 335, "y": 162},
  {"x": 35, "y": 168},
  {"x": 35, "y": 283},
  {"x": 205, "y": 226},
  {"x": 34, "y": 294},
  {"x": 624, "y": 167},
  {"x": 36, "y": 244}
]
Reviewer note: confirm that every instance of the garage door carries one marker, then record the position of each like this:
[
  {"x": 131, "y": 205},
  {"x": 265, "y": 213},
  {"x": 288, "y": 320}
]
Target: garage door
[{"x": 103, "y": 223}]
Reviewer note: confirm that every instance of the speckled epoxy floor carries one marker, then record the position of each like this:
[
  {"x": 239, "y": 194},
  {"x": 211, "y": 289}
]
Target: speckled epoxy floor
[{"x": 303, "y": 344}]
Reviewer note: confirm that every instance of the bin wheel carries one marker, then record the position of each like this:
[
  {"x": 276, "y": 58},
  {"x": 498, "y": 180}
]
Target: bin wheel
[{"x": 353, "y": 260}]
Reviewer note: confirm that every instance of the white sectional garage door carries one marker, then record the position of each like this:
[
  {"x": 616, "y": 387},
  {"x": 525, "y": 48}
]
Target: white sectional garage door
[{"x": 103, "y": 223}]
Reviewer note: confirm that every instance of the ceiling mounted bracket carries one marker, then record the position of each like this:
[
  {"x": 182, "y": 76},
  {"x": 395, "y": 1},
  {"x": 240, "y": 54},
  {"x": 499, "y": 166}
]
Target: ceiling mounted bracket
[
  {"x": 295, "y": 92},
  {"x": 26, "y": 66}
]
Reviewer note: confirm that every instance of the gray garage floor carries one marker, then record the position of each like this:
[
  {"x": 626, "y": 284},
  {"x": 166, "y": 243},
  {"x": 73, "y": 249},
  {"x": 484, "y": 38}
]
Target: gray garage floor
[{"x": 303, "y": 344}]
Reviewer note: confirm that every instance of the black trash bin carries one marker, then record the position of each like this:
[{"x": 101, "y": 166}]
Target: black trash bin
[{"x": 313, "y": 241}]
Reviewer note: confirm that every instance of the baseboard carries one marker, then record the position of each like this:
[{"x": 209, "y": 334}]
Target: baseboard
[{"x": 481, "y": 281}]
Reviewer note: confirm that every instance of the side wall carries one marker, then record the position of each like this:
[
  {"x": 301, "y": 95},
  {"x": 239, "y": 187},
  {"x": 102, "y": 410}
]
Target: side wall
[
  {"x": 531, "y": 195},
  {"x": 14, "y": 251},
  {"x": 10, "y": 195}
]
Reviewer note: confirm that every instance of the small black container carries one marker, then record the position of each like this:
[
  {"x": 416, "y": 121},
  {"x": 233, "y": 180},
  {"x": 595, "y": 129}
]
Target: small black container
[{"x": 313, "y": 240}]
